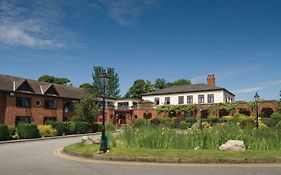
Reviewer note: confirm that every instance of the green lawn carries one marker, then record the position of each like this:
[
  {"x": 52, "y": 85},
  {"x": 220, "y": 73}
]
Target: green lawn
[{"x": 93, "y": 149}]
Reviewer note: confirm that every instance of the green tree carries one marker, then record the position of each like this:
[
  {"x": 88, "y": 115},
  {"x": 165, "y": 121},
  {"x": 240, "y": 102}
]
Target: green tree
[
  {"x": 87, "y": 86},
  {"x": 160, "y": 83},
  {"x": 139, "y": 88},
  {"x": 87, "y": 109},
  {"x": 113, "y": 89},
  {"x": 53, "y": 79},
  {"x": 179, "y": 82}
]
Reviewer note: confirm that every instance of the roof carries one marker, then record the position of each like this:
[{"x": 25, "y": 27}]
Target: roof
[
  {"x": 11, "y": 83},
  {"x": 187, "y": 89}
]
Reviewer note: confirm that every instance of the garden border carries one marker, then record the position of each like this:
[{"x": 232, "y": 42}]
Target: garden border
[{"x": 175, "y": 160}]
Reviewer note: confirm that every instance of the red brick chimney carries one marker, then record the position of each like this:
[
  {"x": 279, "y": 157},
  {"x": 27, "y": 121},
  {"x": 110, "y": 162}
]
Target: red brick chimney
[{"x": 211, "y": 80}]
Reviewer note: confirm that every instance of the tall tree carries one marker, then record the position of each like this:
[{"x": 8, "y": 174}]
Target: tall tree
[
  {"x": 179, "y": 82},
  {"x": 87, "y": 109},
  {"x": 139, "y": 88},
  {"x": 113, "y": 89},
  {"x": 53, "y": 79},
  {"x": 160, "y": 83}
]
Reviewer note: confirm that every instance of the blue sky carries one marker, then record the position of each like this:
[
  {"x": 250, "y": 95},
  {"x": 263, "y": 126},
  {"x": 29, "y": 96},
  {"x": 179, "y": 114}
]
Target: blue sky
[{"x": 239, "y": 41}]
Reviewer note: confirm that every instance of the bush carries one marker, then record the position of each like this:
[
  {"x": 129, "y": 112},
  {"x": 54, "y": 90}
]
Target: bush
[
  {"x": 184, "y": 125},
  {"x": 191, "y": 121},
  {"x": 47, "y": 131},
  {"x": 97, "y": 127},
  {"x": 247, "y": 122},
  {"x": 196, "y": 125},
  {"x": 71, "y": 128},
  {"x": 81, "y": 127},
  {"x": 275, "y": 118},
  {"x": 4, "y": 132},
  {"x": 155, "y": 121},
  {"x": 59, "y": 126},
  {"x": 227, "y": 119},
  {"x": 170, "y": 123},
  {"x": 12, "y": 131},
  {"x": 110, "y": 127},
  {"x": 139, "y": 123},
  {"x": 206, "y": 125},
  {"x": 213, "y": 120},
  {"x": 27, "y": 131}
]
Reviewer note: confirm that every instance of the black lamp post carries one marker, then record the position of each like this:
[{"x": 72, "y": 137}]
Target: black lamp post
[
  {"x": 200, "y": 118},
  {"x": 103, "y": 146},
  {"x": 146, "y": 116},
  {"x": 257, "y": 109}
]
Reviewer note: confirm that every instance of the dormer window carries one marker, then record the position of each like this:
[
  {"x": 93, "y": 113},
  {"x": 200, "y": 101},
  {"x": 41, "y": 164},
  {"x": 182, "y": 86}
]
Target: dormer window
[
  {"x": 24, "y": 87},
  {"x": 51, "y": 90}
]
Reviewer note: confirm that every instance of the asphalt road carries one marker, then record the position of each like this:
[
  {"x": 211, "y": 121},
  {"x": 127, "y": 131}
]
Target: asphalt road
[{"x": 37, "y": 158}]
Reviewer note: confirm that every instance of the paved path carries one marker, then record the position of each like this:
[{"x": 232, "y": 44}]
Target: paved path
[{"x": 37, "y": 158}]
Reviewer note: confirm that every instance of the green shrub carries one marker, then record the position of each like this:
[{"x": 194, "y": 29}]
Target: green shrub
[
  {"x": 4, "y": 132},
  {"x": 12, "y": 131},
  {"x": 275, "y": 118},
  {"x": 184, "y": 125},
  {"x": 247, "y": 122},
  {"x": 97, "y": 127},
  {"x": 27, "y": 131},
  {"x": 227, "y": 119},
  {"x": 71, "y": 129},
  {"x": 47, "y": 131},
  {"x": 191, "y": 121},
  {"x": 81, "y": 127},
  {"x": 110, "y": 127},
  {"x": 237, "y": 118},
  {"x": 139, "y": 123},
  {"x": 213, "y": 120},
  {"x": 196, "y": 125},
  {"x": 59, "y": 126},
  {"x": 170, "y": 123}
]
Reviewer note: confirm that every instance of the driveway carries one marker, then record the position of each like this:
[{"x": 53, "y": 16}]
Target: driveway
[{"x": 37, "y": 158}]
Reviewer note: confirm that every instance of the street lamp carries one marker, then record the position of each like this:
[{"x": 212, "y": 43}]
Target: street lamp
[
  {"x": 103, "y": 145},
  {"x": 146, "y": 116},
  {"x": 257, "y": 109}
]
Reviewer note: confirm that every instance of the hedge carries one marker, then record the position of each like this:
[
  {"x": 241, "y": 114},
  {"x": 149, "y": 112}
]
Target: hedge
[
  {"x": 27, "y": 131},
  {"x": 59, "y": 126},
  {"x": 78, "y": 127},
  {"x": 4, "y": 132}
]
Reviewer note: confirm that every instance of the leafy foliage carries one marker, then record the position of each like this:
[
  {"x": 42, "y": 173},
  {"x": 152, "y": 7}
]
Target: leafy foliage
[
  {"x": 27, "y": 131},
  {"x": 176, "y": 108},
  {"x": 113, "y": 89},
  {"x": 139, "y": 88},
  {"x": 47, "y": 131},
  {"x": 60, "y": 127},
  {"x": 4, "y": 132},
  {"x": 53, "y": 79},
  {"x": 179, "y": 82},
  {"x": 160, "y": 83}
]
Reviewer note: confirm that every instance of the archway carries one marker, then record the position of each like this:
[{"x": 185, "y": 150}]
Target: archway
[
  {"x": 266, "y": 112},
  {"x": 223, "y": 112},
  {"x": 204, "y": 114},
  {"x": 245, "y": 111}
]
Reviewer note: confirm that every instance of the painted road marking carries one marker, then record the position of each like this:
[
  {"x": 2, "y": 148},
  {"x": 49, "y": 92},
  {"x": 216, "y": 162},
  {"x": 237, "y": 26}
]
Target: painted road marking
[{"x": 58, "y": 153}]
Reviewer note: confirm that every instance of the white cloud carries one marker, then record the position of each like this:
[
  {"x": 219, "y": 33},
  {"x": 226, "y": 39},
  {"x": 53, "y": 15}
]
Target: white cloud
[
  {"x": 259, "y": 87},
  {"x": 19, "y": 28},
  {"x": 126, "y": 12}
]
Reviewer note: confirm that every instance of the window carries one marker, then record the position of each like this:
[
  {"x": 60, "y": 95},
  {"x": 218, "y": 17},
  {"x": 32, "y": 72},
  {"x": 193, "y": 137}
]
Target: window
[
  {"x": 201, "y": 99},
  {"x": 123, "y": 105},
  {"x": 156, "y": 101},
  {"x": 181, "y": 100},
  {"x": 50, "y": 104},
  {"x": 23, "y": 119},
  {"x": 135, "y": 104},
  {"x": 23, "y": 102},
  {"x": 167, "y": 100},
  {"x": 211, "y": 98},
  {"x": 189, "y": 99},
  {"x": 68, "y": 107}
]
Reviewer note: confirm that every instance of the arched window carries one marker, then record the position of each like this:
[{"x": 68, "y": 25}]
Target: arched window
[
  {"x": 266, "y": 112},
  {"x": 223, "y": 112}
]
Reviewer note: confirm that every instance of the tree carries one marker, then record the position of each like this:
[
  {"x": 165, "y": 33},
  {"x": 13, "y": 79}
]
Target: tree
[
  {"x": 179, "y": 82},
  {"x": 53, "y": 79},
  {"x": 160, "y": 83},
  {"x": 87, "y": 86},
  {"x": 87, "y": 109},
  {"x": 113, "y": 89},
  {"x": 139, "y": 88}
]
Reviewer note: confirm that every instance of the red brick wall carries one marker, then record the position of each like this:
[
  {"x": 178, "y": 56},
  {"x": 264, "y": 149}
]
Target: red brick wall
[
  {"x": 37, "y": 113},
  {"x": 2, "y": 106}
]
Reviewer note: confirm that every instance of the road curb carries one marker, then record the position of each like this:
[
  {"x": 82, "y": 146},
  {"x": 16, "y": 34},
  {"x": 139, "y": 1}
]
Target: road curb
[
  {"x": 176, "y": 160},
  {"x": 48, "y": 138}
]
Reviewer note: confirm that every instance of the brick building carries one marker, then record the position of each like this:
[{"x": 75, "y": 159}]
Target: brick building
[{"x": 31, "y": 101}]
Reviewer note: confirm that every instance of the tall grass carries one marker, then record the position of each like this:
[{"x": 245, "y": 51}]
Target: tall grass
[{"x": 207, "y": 138}]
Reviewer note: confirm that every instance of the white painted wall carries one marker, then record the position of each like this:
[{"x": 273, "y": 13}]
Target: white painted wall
[{"x": 220, "y": 96}]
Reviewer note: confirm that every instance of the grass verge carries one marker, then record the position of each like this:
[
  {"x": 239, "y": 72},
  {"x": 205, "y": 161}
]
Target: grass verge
[{"x": 165, "y": 153}]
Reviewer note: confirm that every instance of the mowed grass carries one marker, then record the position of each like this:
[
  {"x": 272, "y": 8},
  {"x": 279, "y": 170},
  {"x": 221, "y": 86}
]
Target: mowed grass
[{"x": 93, "y": 149}]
